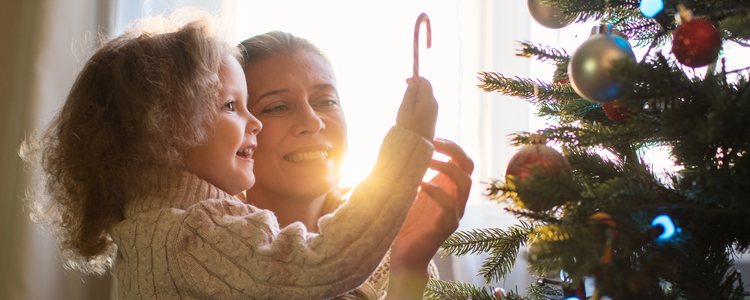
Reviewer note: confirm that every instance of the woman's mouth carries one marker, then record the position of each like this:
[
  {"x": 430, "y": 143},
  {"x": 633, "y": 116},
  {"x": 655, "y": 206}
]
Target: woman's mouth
[{"x": 318, "y": 155}]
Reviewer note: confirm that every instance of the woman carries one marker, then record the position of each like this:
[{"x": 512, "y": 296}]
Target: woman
[{"x": 292, "y": 91}]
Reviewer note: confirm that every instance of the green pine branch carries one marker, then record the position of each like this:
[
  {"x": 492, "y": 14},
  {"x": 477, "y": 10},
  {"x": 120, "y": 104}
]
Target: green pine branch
[
  {"x": 596, "y": 135},
  {"x": 737, "y": 28},
  {"x": 482, "y": 240},
  {"x": 454, "y": 290},
  {"x": 448, "y": 290},
  {"x": 543, "y": 291},
  {"x": 525, "y": 214},
  {"x": 533, "y": 90},
  {"x": 543, "y": 53},
  {"x": 582, "y": 241},
  {"x": 594, "y": 167}
]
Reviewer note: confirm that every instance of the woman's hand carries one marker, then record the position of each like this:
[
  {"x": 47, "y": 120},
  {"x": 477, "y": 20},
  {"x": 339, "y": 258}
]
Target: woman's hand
[
  {"x": 418, "y": 110},
  {"x": 433, "y": 217}
]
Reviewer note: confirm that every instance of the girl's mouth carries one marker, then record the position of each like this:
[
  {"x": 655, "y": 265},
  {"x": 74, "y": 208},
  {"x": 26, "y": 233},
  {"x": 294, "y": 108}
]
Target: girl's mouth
[{"x": 246, "y": 153}]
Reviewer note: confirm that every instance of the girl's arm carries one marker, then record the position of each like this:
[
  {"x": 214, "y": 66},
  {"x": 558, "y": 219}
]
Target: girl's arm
[{"x": 242, "y": 252}]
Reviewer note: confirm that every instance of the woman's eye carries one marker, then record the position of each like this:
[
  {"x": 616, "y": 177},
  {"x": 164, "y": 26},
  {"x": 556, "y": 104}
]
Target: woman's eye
[
  {"x": 327, "y": 103},
  {"x": 275, "y": 109},
  {"x": 229, "y": 106}
]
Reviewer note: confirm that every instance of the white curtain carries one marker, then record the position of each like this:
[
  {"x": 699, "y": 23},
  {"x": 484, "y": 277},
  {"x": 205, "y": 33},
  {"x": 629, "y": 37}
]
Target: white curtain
[
  {"x": 488, "y": 122},
  {"x": 44, "y": 44}
]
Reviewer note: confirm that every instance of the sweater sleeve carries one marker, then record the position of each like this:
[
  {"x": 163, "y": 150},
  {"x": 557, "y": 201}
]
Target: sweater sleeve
[{"x": 239, "y": 251}]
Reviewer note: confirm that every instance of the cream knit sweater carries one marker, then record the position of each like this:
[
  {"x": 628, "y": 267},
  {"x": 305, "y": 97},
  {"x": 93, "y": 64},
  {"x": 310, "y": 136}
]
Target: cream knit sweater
[{"x": 186, "y": 239}]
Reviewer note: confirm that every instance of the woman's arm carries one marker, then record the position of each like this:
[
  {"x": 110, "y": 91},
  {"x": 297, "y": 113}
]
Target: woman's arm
[{"x": 432, "y": 218}]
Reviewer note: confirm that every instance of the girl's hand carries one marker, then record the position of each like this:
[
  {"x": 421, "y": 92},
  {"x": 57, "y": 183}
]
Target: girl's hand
[{"x": 418, "y": 111}]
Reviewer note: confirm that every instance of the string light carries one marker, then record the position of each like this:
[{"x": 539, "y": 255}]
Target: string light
[
  {"x": 666, "y": 223},
  {"x": 651, "y": 8},
  {"x": 564, "y": 276}
]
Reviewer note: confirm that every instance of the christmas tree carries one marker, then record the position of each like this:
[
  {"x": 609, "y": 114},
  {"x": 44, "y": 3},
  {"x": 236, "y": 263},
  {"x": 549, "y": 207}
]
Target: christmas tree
[{"x": 591, "y": 208}]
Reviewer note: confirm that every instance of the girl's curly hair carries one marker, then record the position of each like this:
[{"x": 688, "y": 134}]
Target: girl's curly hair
[{"x": 139, "y": 102}]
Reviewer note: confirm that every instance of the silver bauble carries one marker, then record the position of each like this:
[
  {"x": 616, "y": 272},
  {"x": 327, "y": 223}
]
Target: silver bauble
[
  {"x": 589, "y": 67},
  {"x": 546, "y": 15}
]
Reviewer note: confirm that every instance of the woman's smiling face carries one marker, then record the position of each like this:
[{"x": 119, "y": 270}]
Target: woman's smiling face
[{"x": 303, "y": 141}]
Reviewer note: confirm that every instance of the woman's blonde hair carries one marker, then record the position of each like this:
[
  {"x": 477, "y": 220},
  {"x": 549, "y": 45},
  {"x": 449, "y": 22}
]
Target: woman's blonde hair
[
  {"x": 139, "y": 102},
  {"x": 272, "y": 43}
]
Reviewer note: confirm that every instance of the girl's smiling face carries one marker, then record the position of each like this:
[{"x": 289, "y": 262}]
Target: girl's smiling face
[
  {"x": 301, "y": 149},
  {"x": 225, "y": 159}
]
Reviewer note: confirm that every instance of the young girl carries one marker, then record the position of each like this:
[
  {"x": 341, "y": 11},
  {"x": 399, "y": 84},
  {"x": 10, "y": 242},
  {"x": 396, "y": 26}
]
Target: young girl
[{"x": 142, "y": 163}]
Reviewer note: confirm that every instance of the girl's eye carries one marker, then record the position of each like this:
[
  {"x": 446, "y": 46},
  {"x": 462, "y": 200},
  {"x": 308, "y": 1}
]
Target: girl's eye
[{"x": 229, "y": 106}]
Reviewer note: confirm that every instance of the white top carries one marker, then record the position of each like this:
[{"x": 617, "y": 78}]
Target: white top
[{"x": 187, "y": 239}]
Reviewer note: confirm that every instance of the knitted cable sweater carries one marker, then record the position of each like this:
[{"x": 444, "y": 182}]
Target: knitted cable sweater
[{"x": 186, "y": 239}]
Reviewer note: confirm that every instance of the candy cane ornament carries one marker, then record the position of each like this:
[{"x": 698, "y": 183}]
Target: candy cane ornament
[{"x": 420, "y": 20}]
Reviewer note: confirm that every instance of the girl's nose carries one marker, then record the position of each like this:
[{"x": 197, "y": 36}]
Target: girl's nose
[{"x": 254, "y": 126}]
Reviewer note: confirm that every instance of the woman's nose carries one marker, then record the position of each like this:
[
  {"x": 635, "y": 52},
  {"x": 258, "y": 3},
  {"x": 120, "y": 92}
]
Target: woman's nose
[{"x": 308, "y": 121}]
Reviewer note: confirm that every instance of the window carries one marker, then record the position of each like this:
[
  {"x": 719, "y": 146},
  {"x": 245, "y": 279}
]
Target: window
[{"x": 370, "y": 47}]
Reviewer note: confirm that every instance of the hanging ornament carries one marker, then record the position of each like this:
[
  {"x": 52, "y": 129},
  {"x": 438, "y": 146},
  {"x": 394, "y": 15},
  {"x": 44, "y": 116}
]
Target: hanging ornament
[
  {"x": 610, "y": 231},
  {"x": 546, "y": 15},
  {"x": 536, "y": 159},
  {"x": 696, "y": 42},
  {"x": 615, "y": 112},
  {"x": 590, "y": 66},
  {"x": 499, "y": 293}
]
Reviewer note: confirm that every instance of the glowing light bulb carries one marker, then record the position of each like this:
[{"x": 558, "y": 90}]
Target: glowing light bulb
[
  {"x": 651, "y": 8},
  {"x": 564, "y": 276},
  {"x": 665, "y": 222}
]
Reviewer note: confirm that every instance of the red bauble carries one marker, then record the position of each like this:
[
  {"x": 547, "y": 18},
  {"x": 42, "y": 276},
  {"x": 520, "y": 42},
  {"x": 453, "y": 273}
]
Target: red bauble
[
  {"x": 696, "y": 43},
  {"x": 563, "y": 80},
  {"x": 615, "y": 112},
  {"x": 536, "y": 160}
]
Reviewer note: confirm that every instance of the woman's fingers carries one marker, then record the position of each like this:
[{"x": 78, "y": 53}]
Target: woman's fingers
[
  {"x": 444, "y": 200},
  {"x": 455, "y": 152},
  {"x": 461, "y": 182}
]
